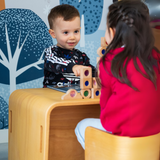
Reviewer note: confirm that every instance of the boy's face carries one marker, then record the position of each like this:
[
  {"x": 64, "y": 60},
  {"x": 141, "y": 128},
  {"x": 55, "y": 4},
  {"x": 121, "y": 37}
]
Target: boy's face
[{"x": 67, "y": 33}]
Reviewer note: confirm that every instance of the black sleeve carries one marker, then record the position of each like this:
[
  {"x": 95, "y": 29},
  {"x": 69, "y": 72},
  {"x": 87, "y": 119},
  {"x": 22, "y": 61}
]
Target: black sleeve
[{"x": 56, "y": 64}]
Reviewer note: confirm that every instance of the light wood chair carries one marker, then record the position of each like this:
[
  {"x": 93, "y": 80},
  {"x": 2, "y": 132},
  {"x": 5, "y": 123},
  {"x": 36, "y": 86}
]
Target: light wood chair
[
  {"x": 100, "y": 145},
  {"x": 156, "y": 33}
]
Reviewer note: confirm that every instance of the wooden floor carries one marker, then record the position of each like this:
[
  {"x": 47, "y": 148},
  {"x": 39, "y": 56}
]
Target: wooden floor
[{"x": 3, "y": 151}]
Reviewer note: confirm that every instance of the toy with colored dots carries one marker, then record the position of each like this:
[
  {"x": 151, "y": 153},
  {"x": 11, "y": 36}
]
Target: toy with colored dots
[
  {"x": 85, "y": 93},
  {"x": 88, "y": 85},
  {"x": 95, "y": 92},
  {"x": 71, "y": 94},
  {"x": 101, "y": 50},
  {"x": 94, "y": 83},
  {"x": 86, "y": 78}
]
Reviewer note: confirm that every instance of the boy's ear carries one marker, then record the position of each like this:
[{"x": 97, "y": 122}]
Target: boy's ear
[
  {"x": 112, "y": 32},
  {"x": 52, "y": 33}
]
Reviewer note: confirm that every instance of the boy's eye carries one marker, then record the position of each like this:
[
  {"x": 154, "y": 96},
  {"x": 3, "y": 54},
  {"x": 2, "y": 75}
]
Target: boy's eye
[
  {"x": 76, "y": 31},
  {"x": 65, "y": 32}
]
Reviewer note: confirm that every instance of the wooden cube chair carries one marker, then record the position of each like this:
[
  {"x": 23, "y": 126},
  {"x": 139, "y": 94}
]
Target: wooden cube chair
[{"x": 100, "y": 145}]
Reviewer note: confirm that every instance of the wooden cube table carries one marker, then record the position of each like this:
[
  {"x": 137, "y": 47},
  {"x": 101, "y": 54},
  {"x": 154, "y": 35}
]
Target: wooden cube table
[{"x": 41, "y": 125}]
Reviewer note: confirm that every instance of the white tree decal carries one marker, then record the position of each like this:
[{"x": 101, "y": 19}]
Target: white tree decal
[
  {"x": 11, "y": 62},
  {"x": 28, "y": 40}
]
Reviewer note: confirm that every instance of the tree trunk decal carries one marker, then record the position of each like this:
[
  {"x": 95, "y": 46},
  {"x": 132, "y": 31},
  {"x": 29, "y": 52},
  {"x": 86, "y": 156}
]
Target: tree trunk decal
[{"x": 24, "y": 36}]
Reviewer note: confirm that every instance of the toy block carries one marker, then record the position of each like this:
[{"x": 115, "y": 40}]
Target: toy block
[
  {"x": 103, "y": 42},
  {"x": 86, "y": 72},
  {"x": 71, "y": 94},
  {"x": 101, "y": 51},
  {"x": 86, "y": 93},
  {"x": 94, "y": 83},
  {"x": 98, "y": 59},
  {"x": 85, "y": 83},
  {"x": 95, "y": 92}
]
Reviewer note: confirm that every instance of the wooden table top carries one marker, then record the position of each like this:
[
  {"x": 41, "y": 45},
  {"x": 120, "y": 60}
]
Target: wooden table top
[{"x": 53, "y": 96}]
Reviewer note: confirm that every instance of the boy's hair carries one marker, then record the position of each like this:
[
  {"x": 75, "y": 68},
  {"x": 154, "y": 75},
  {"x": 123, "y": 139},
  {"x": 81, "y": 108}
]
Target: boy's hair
[
  {"x": 67, "y": 12},
  {"x": 130, "y": 18}
]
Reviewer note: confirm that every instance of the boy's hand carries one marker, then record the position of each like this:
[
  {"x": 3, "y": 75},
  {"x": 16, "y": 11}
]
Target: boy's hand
[{"x": 77, "y": 69}]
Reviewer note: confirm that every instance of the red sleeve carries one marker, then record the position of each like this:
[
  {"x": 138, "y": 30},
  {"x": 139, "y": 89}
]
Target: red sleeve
[{"x": 106, "y": 90}]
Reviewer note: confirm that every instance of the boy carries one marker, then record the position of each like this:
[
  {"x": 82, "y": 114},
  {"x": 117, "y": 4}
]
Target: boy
[{"x": 63, "y": 58}]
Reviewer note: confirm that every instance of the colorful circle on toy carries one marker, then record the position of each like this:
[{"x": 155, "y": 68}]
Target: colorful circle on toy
[
  {"x": 86, "y": 83},
  {"x": 97, "y": 93},
  {"x": 103, "y": 51},
  {"x": 94, "y": 82},
  {"x": 86, "y": 73},
  {"x": 72, "y": 93},
  {"x": 86, "y": 93}
]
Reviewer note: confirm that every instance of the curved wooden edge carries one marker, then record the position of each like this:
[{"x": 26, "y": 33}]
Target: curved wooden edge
[{"x": 102, "y": 145}]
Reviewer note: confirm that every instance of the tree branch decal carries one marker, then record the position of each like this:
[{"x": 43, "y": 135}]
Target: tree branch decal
[{"x": 24, "y": 36}]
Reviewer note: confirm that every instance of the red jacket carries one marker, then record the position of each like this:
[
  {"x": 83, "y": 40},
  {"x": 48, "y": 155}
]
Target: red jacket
[{"x": 127, "y": 112}]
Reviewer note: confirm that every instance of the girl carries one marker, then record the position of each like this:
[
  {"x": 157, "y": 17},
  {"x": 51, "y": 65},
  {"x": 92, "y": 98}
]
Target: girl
[{"x": 129, "y": 74}]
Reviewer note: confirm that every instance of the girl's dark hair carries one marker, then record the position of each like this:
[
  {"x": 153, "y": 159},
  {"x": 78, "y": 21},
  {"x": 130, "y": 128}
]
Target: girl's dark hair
[
  {"x": 115, "y": 1},
  {"x": 130, "y": 18},
  {"x": 66, "y": 11}
]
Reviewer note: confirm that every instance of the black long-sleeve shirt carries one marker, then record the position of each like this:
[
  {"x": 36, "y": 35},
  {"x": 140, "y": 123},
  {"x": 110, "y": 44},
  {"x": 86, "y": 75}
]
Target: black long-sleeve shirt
[{"x": 58, "y": 63}]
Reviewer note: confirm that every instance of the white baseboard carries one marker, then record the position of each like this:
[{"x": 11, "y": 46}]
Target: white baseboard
[{"x": 4, "y": 136}]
